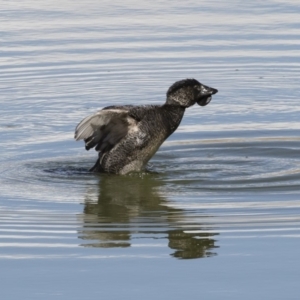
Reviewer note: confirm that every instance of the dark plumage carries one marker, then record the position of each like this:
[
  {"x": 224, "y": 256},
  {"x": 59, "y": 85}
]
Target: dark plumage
[{"x": 126, "y": 137}]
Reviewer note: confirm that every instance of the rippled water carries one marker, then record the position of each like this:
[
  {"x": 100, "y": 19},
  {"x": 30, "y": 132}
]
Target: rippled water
[{"x": 217, "y": 212}]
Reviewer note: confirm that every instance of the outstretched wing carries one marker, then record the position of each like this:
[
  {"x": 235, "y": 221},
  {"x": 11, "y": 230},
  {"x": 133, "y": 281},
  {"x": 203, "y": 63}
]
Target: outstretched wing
[{"x": 105, "y": 128}]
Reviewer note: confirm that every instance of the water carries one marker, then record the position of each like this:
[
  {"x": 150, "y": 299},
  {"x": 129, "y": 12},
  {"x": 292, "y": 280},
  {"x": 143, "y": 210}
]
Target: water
[{"x": 219, "y": 212}]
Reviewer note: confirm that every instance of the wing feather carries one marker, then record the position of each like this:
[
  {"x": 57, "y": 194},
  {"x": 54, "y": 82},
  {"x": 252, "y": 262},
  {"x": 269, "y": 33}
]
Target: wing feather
[{"x": 104, "y": 129}]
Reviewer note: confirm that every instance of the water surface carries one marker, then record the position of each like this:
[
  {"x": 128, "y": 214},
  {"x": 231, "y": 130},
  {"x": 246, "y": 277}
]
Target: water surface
[{"x": 217, "y": 212}]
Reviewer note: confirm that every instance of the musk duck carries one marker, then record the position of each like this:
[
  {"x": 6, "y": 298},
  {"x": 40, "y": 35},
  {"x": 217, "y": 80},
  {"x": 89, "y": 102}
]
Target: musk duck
[{"x": 127, "y": 136}]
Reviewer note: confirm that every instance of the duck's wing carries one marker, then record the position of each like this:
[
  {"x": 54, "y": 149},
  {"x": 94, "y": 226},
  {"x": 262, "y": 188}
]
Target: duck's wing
[{"x": 105, "y": 128}]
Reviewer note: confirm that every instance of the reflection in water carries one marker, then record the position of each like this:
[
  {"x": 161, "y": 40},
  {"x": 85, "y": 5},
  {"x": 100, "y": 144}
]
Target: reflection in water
[{"x": 127, "y": 208}]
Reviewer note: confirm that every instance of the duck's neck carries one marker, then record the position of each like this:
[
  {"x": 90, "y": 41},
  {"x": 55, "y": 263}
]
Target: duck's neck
[{"x": 173, "y": 116}]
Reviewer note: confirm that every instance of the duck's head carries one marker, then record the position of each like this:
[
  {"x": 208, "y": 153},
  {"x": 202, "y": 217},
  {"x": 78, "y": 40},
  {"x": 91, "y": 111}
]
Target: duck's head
[{"x": 187, "y": 92}]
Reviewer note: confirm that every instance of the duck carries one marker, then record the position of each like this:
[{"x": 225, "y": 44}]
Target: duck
[{"x": 127, "y": 136}]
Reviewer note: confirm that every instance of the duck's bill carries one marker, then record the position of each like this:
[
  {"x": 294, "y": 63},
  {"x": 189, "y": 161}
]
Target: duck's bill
[{"x": 205, "y": 95}]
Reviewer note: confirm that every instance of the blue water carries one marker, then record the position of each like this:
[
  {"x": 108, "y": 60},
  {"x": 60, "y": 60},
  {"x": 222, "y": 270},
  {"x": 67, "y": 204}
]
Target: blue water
[{"x": 217, "y": 216}]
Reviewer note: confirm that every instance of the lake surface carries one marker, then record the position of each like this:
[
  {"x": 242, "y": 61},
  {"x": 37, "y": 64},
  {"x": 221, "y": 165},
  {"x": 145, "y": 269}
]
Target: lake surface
[{"x": 218, "y": 214}]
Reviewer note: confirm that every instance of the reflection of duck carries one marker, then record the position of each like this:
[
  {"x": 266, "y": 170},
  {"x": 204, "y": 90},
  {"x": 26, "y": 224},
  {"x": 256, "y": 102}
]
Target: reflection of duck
[
  {"x": 128, "y": 136},
  {"x": 130, "y": 205}
]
